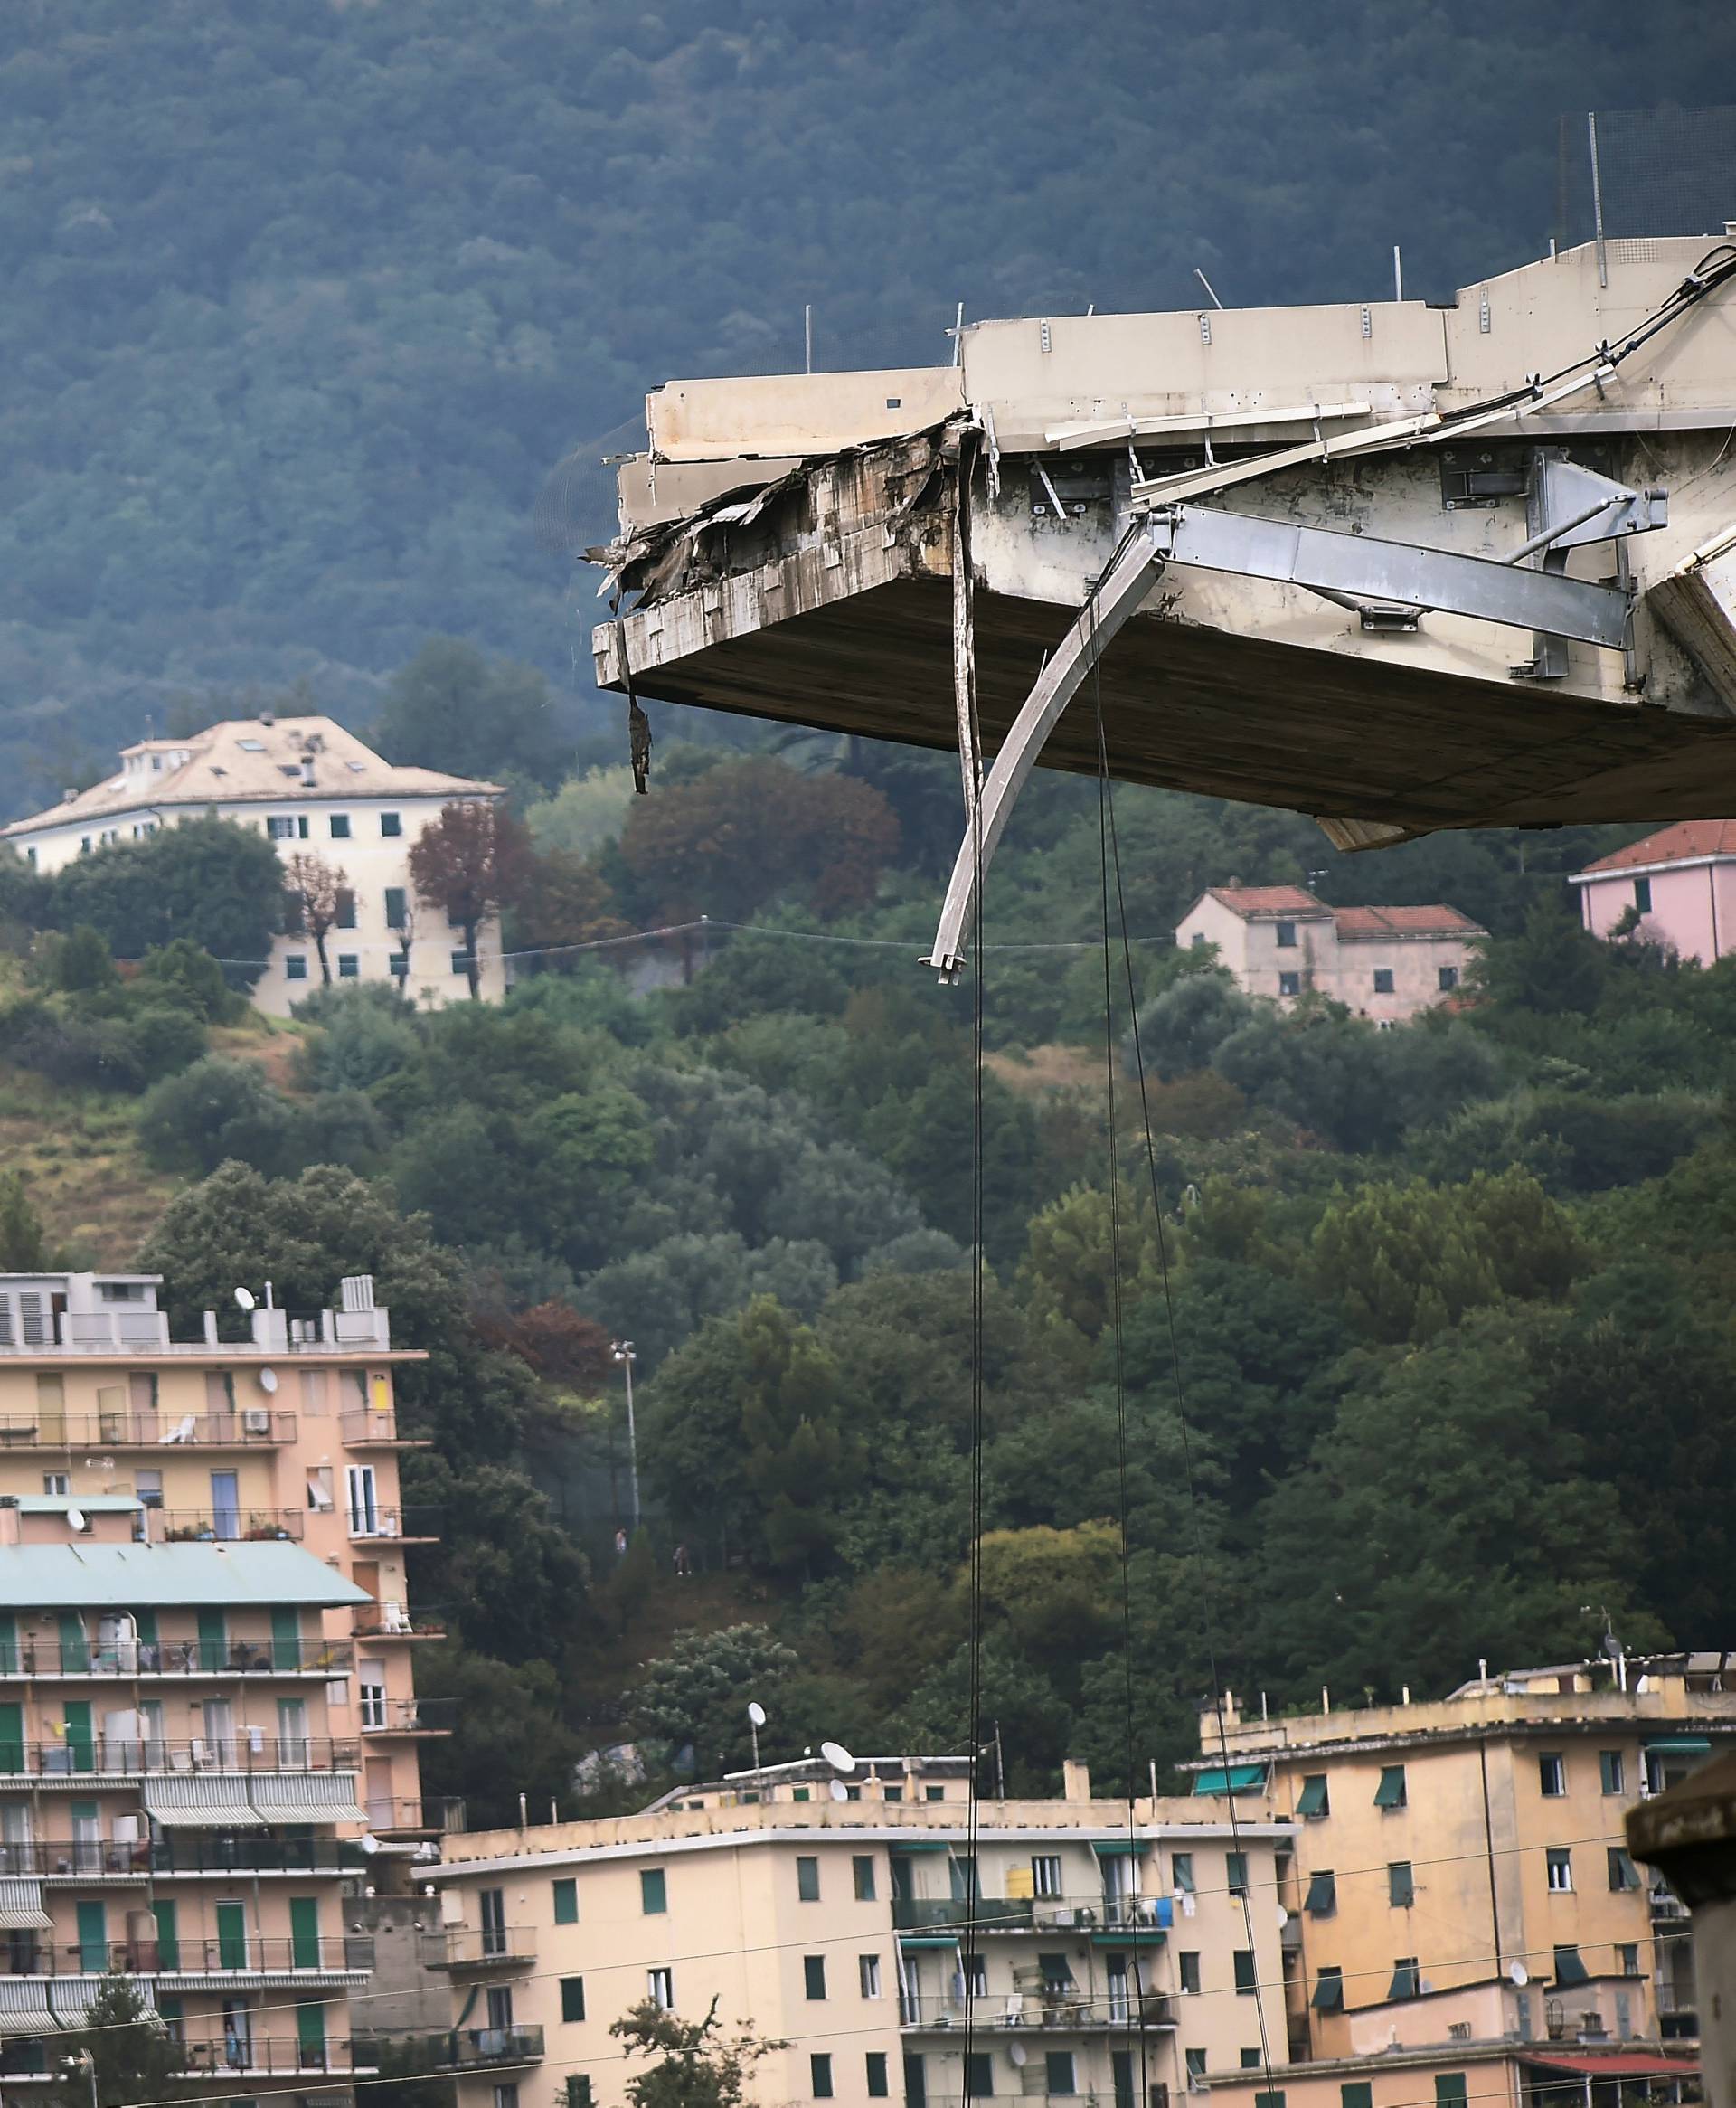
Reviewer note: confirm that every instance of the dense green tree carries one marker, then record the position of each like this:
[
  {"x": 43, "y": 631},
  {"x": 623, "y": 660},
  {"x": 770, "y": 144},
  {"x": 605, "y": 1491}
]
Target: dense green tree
[
  {"x": 698, "y": 1694},
  {"x": 122, "y": 2057},
  {"x": 697, "y": 2064},
  {"x": 454, "y": 709},
  {"x": 23, "y": 1244},
  {"x": 214, "y": 883}
]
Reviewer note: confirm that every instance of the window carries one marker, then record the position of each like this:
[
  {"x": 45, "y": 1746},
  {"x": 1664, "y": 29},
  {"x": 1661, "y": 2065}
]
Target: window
[
  {"x": 1290, "y": 984},
  {"x": 1623, "y": 1873},
  {"x": 878, "y": 2088},
  {"x": 1045, "y": 1874},
  {"x": 398, "y": 966},
  {"x": 1400, "y": 1885},
  {"x": 1248, "y": 2060},
  {"x": 1405, "y": 1980},
  {"x": 1235, "y": 1868},
  {"x": 799, "y": 1793},
  {"x": 1329, "y": 1992},
  {"x": 349, "y": 967},
  {"x": 1390, "y": 1793},
  {"x": 295, "y": 966},
  {"x": 897, "y": 1793},
  {"x": 1446, "y": 978},
  {"x": 1058, "y": 2068},
  {"x": 1198, "y": 939},
  {"x": 1187, "y": 1964},
  {"x": 1560, "y": 1869},
  {"x": 1315, "y": 1800},
  {"x": 1552, "y": 1774},
  {"x": 1627, "y": 1958},
  {"x": 56, "y": 1483},
  {"x": 390, "y": 825},
  {"x": 868, "y": 1975},
  {"x": 566, "y": 1901},
  {"x": 979, "y": 2075},
  {"x": 345, "y": 908},
  {"x": 1181, "y": 1873},
  {"x": 1382, "y": 980},
  {"x": 861, "y": 1871},
  {"x": 976, "y": 1974},
  {"x": 1643, "y": 895},
  {"x": 461, "y": 962},
  {"x": 807, "y": 1880},
  {"x": 491, "y": 1908},
  {"x": 340, "y": 826},
  {"x": 934, "y": 1792},
  {"x": 1246, "y": 1980},
  {"x": 1195, "y": 2060},
  {"x": 916, "y": 2083},
  {"x": 653, "y": 1892},
  {"x": 1449, "y": 2090},
  {"x": 281, "y": 827},
  {"x": 506, "y": 2094},
  {"x": 1272, "y": 2100},
  {"x": 1286, "y": 936},
  {"x": 813, "y": 1976},
  {"x": 579, "y": 2090},
  {"x": 819, "y": 2072},
  {"x": 1569, "y": 1968},
  {"x": 572, "y": 1997},
  {"x": 1356, "y": 2093},
  {"x": 1612, "y": 1772},
  {"x": 660, "y": 1987},
  {"x": 1323, "y": 1893},
  {"x": 394, "y": 907}
]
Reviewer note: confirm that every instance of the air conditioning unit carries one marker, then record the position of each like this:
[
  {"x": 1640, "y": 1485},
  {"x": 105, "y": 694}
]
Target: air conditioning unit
[{"x": 255, "y": 1419}]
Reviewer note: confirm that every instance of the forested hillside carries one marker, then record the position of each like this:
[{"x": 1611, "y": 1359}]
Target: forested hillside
[{"x": 302, "y": 303}]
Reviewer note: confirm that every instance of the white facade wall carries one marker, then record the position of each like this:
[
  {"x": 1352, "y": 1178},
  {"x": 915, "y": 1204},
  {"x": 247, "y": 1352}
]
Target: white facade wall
[{"x": 1285, "y": 955}]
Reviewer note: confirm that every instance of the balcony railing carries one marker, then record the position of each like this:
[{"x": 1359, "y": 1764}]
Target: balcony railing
[
  {"x": 479, "y": 1946},
  {"x": 409, "y": 1525},
  {"x": 234, "y": 2058},
  {"x": 357, "y": 1430},
  {"x": 391, "y": 1817},
  {"x": 394, "y": 1621},
  {"x": 307, "y": 1656},
  {"x": 1043, "y": 1914},
  {"x": 1055, "y": 2010},
  {"x": 187, "y": 1526},
  {"x": 249, "y": 1427},
  {"x": 117, "y": 1756},
  {"x": 345, "y": 1954},
  {"x": 466, "y": 2049},
  {"x": 182, "y": 1851},
  {"x": 381, "y": 1715}
]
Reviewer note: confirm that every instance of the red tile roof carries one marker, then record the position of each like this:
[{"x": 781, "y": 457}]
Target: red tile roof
[
  {"x": 1269, "y": 900},
  {"x": 1621, "y": 2064},
  {"x": 1439, "y": 921},
  {"x": 1681, "y": 843}
]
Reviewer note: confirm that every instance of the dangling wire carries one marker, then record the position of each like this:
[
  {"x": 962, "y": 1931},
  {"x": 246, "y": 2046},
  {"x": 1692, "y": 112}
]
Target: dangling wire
[{"x": 1111, "y": 857}]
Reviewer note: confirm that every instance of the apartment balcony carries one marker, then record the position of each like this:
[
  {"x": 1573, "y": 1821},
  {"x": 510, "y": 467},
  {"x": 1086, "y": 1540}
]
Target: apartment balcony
[
  {"x": 395, "y": 1821},
  {"x": 81, "y": 1759},
  {"x": 180, "y": 1852},
  {"x": 370, "y": 1428},
  {"x": 475, "y": 1950},
  {"x": 403, "y": 1718},
  {"x": 233, "y": 2057},
  {"x": 463, "y": 2050},
  {"x": 403, "y": 1526},
  {"x": 148, "y": 1660},
  {"x": 1056, "y": 2012},
  {"x": 193, "y": 1525},
  {"x": 249, "y": 1427},
  {"x": 1096, "y": 1914},
  {"x": 396, "y": 1620},
  {"x": 190, "y": 1961}
]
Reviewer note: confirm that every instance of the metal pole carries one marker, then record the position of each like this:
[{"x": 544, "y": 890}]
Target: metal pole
[
  {"x": 958, "y": 336},
  {"x": 1597, "y": 198},
  {"x": 621, "y": 1350},
  {"x": 1398, "y": 272},
  {"x": 807, "y": 338}
]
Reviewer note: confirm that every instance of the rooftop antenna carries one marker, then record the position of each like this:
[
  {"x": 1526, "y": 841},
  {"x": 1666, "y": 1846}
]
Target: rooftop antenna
[
  {"x": 756, "y": 1721},
  {"x": 808, "y": 336},
  {"x": 1398, "y": 272},
  {"x": 1206, "y": 282},
  {"x": 958, "y": 336}
]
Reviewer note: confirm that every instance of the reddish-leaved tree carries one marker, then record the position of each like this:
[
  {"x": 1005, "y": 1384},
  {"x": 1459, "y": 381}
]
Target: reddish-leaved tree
[
  {"x": 470, "y": 862},
  {"x": 314, "y": 892}
]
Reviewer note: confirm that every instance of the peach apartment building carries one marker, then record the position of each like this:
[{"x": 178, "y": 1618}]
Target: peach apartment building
[
  {"x": 208, "y": 1721},
  {"x": 1097, "y": 1959}
]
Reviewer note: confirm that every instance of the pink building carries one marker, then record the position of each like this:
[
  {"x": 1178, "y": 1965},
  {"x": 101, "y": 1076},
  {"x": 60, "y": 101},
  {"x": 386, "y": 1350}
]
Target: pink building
[
  {"x": 1681, "y": 882},
  {"x": 1384, "y": 963}
]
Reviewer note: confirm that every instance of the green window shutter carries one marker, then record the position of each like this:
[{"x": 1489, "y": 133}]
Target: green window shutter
[
  {"x": 168, "y": 1934},
  {"x": 8, "y": 1643},
  {"x": 75, "y": 1649},
  {"x": 1329, "y": 1992},
  {"x": 80, "y": 1744},
  {"x": 1323, "y": 1895},
  {"x": 1356, "y": 2093},
  {"x": 1400, "y": 1885},
  {"x": 1121, "y": 2076},
  {"x": 286, "y": 1637},
  {"x": 654, "y": 1892},
  {"x": 572, "y": 1997},
  {"x": 1610, "y": 1770},
  {"x": 304, "y": 1932},
  {"x": 813, "y": 1976},
  {"x": 213, "y": 1639},
  {"x": 11, "y": 1738},
  {"x": 879, "y": 2088},
  {"x": 231, "y": 1935},
  {"x": 1246, "y": 1980},
  {"x": 1404, "y": 1984},
  {"x": 862, "y": 1871},
  {"x": 916, "y": 2080},
  {"x": 310, "y": 2031},
  {"x": 566, "y": 1901},
  {"x": 807, "y": 1880},
  {"x": 93, "y": 1938},
  {"x": 1569, "y": 1968},
  {"x": 145, "y": 1624},
  {"x": 1390, "y": 1793},
  {"x": 1268, "y": 2100},
  {"x": 1313, "y": 1798},
  {"x": 1449, "y": 2090}
]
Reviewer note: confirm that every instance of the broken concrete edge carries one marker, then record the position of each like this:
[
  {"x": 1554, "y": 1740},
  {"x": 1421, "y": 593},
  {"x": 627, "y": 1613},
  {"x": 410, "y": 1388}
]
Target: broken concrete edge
[{"x": 1688, "y": 1832}]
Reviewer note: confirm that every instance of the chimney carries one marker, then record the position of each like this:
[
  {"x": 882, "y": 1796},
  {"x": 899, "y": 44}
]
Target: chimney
[
  {"x": 210, "y": 1328},
  {"x": 1075, "y": 1780},
  {"x": 307, "y": 769}
]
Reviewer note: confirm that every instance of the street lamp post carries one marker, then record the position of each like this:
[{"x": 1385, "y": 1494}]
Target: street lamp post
[{"x": 621, "y": 1350}]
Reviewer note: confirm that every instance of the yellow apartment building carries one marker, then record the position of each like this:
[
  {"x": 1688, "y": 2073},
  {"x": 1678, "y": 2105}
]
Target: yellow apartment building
[
  {"x": 208, "y": 1722},
  {"x": 1460, "y": 1870},
  {"x": 1486, "y": 2072},
  {"x": 859, "y": 1921}
]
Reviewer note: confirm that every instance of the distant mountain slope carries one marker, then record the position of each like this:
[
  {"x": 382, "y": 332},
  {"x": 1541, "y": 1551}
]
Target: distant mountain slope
[{"x": 302, "y": 303}]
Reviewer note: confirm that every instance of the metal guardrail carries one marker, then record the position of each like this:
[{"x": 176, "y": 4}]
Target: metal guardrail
[
  {"x": 396, "y": 1620},
  {"x": 276, "y": 2053},
  {"x": 389, "y": 1816},
  {"x": 195, "y": 1525},
  {"x": 248, "y": 1427},
  {"x": 187, "y": 1852},
  {"x": 479, "y": 1946},
  {"x": 405, "y": 1525},
  {"x": 249, "y": 1751},
  {"x": 307, "y": 1656},
  {"x": 468, "y": 2049},
  {"x": 1054, "y": 2012},
  {"x": 346, "y": 1953},
  {"x": 1043, "y": 1914}
]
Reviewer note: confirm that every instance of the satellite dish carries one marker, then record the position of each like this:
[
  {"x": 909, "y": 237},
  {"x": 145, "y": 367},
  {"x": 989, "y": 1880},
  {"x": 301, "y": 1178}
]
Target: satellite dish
[
  {"x": 1518, "y": 1972},
  {"x": 1283, "y": 1917},
  {"x": 246, "y": 1300},
  {"x": 76, "y": 1517},
  {"x": 840, "y": 1792},
  {"x": 267, "y": 1381},
  {"x": 368, "y": 1843},
  {"x": 838, "y": 1756},
  {"x": 756, "y": 1713},
  {"x": 1016, "y": 2052}
]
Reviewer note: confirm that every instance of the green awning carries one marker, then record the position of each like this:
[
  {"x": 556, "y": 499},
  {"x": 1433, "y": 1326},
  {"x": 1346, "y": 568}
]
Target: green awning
[
  {"x": 1313, "y": 1800},
  {"x": 1329, "y": 1993},
  {"x": 1390, "y": 1793},
  {"x": 928, "y": 1939},
  {"x": 1120, "y": 1847},
  {"x": 1680, "y": 1746},
  {"x": 1129, "y": 1936},
  {"x": 1238, "y": 1779},
  {"x": 1323, "y": 1895},
  {"x": 1569, "y": 1968},
  {"x": 906, "y": 1845}
]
